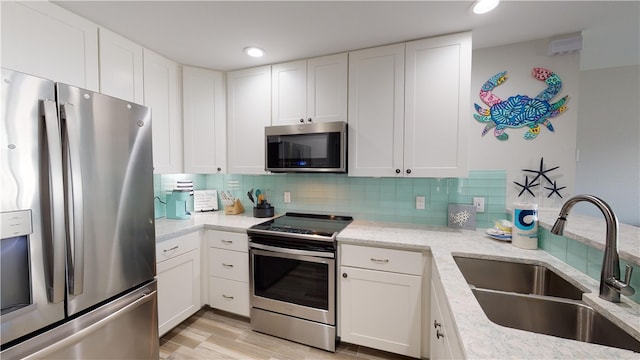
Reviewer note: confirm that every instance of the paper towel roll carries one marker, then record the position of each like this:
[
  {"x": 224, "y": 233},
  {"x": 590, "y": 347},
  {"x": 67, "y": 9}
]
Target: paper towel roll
[{"x": 524, "y": 233}]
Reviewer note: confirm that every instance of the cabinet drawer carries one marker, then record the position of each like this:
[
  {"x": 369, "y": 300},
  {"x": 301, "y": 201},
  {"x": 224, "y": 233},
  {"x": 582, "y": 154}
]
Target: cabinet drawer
[
  {"x": 228, "y": 240},
  {"x": 177, "y": 246},
  {"x": 400, "y": 261},
  {"x": 229, "y": 295},
  {"x": 229, "y": 264}
]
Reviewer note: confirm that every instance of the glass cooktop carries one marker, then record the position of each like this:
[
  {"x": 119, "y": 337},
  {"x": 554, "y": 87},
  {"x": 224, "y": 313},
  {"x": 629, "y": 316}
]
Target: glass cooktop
[{"x": 326, "y": 226}]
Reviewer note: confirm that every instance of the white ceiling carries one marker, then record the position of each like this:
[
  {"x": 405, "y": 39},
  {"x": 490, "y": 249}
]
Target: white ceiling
[{"x": 213, "y": 34}]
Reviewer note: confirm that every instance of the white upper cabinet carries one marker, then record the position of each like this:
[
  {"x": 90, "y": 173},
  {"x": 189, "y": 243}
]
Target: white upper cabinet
[
  {"x": 313, "y": 90},
  {"x": 121, "y": 71},
  {"x": 162, "y": 79},
  {"x": 376, "y": 111},
  {"x": 205, "y": 128},
  {"x": 437, "y": 98},
  {"x": 407, "y": 108},
  {"x": 42, "y": 39},
  {"x": 248, "y": 112},
  {"x": 289, "y": 93}
]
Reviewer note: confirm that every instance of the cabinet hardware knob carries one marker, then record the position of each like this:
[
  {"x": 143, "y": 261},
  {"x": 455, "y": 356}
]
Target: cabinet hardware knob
[
  {"x": 408, "y": 171},
  {"x": 436, "y": 324},
  {"x": 219, "y": 169},
  {"x": 439, "y": 334},
  {"x": 397, "y": 171},
  {"x": 301, "y": 120},
  {"x": 309, "y": 120},
  {"x": 344, "y": 275}
]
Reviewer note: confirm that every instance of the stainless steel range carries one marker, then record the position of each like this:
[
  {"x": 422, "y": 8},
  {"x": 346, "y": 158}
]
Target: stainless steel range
[{"x": 293, "y": 277}]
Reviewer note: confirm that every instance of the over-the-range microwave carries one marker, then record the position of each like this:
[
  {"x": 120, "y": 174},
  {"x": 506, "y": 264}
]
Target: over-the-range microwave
[{"x": 311, "y": 147}]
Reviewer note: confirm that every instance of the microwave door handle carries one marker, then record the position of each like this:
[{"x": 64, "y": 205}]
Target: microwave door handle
[
  {"x": 56, "y": 253},
  {"x": 75, "y": 260}
]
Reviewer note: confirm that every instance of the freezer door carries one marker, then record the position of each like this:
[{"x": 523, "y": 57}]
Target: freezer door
[
  {"x": 31, "y": 207},
  {"x": 125, "y": 328},
  {"x": 109, "y": 195}
]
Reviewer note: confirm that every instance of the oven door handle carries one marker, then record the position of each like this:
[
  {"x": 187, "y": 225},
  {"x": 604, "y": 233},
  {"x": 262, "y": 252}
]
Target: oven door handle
[{"x": 329, "y": 255}]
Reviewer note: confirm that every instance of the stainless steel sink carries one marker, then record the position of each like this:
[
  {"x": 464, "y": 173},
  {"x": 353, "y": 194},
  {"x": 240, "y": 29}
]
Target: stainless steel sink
[
  {"x": 534, "y": 298},
  {"x": 552, "y": 316},
  {"x": 516, "y": 277}
]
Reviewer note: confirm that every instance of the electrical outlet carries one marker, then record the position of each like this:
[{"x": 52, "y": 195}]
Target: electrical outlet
[
  {"x": 478, "y": 202},
  {"x": 420, "y": 202},
  {"x": 287, "y": 197}
]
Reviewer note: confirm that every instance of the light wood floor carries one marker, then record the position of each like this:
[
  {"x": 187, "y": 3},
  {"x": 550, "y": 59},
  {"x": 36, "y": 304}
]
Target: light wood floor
[{"x": 213, "y": 334}]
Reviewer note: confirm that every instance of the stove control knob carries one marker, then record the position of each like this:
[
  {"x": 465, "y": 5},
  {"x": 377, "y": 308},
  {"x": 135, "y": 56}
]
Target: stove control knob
[{"x": 344, "y": 275}]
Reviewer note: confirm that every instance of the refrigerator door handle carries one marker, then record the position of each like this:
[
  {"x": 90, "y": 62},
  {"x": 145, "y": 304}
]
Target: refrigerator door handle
[
  {"x": 56, "y": 255},
  {"x": 75, "y": 260}
]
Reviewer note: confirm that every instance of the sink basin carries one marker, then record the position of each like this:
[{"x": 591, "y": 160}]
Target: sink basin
[
  {"x": 552, "y": 316},
  {"x": 516, "y": 277}
]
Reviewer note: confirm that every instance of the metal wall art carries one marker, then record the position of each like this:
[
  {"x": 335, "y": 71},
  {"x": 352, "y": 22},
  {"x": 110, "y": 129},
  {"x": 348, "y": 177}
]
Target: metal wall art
[
  {"x": 520, "y": 110},
  {"x": 540, "y": 173}
]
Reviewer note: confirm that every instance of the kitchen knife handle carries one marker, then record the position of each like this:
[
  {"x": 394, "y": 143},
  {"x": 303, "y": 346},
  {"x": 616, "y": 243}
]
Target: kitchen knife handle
[
  {"x": 56, "y": 254},
  {"x": 75, "y": 211}
]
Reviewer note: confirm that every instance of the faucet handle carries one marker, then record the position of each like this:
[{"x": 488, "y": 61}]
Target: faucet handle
[
  {"x": 627, "y": 274},
  {"x": 625, "y": 287}
]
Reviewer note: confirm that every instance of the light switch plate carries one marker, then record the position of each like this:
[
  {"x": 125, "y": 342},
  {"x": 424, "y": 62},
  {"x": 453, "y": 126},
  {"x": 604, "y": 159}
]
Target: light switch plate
[
  {"x": 287, "y": 197},
  {"x": 478, "y": 202},
  {"x": 420, "y": 202}
]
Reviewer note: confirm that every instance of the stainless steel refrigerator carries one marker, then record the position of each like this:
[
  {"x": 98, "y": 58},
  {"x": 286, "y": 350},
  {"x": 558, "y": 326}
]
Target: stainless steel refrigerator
[{"x": 78, "y": 239}]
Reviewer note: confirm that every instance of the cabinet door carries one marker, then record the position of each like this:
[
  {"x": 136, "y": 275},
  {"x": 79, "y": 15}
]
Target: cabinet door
[
  {"x": 327, "y": 88},
  {"x": 178, "y": 289},
  {"x": 43, "y": 39},
  {"x": 376, "y": 111},
  {"x": 248, "y": 112},
  {"x": 381, "y": 310},
  {"x": 205, "y": 123},
  {"x": 437, "y": 346},
  {"x": 289, "y": 93},
  {"x": 162, "y": 95},
  {"x": 121, "y": 71},
  {"x": 438, "y": 77}
]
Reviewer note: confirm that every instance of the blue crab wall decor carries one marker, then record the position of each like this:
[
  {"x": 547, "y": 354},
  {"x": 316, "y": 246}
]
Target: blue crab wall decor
[{"x": 520, "y": 110}]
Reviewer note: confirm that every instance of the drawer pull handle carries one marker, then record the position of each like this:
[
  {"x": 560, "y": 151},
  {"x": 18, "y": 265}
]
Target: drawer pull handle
[
  {"x": 171, "y": 249},
  {"x": 229, "y": 242},
  {"x": 380, "y": 261},
  {"x": 227, "y": 265},
  {"x": 439, "y": 334},
  {"x": 436, "y": 324},
  {"x": 227, "y": 297}
]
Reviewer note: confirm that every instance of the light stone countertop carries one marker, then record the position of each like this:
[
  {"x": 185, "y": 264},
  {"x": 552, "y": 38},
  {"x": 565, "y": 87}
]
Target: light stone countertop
[{"x": 479, "y": 337}]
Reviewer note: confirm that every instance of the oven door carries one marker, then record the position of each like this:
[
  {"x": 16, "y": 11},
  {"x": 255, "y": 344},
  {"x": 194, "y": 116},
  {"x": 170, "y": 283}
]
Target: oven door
[{"x": 293, "y": 282}]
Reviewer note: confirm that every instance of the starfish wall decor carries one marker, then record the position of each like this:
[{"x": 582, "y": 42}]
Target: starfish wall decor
[{"x": 541, "y": 172}]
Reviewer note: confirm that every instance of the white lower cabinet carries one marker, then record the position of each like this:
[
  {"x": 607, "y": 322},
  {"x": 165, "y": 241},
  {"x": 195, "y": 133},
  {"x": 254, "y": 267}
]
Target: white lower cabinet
[
  {"x": 178, "y": 268},
  {"x": 444, "y": 341},
  {"x": 228, "y": 271},
  {"x": 381, "y": 298}
]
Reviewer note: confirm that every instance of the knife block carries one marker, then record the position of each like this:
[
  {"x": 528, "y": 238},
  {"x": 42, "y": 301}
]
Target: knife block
[{"x": 234, "y": 209}]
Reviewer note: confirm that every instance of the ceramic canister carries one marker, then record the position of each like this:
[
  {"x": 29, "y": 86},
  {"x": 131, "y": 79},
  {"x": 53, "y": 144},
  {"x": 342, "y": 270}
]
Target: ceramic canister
[{"x": 525, "y": 226}]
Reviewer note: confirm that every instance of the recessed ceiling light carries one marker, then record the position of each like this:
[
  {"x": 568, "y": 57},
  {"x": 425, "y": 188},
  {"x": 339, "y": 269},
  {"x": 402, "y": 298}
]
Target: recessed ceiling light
[
  {"x": 254, "y": 51},
  {"x": 484, "y": 6}
]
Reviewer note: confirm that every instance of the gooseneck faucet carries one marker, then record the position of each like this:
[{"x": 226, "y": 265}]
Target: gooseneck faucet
[{"x": 610, "y": 284}]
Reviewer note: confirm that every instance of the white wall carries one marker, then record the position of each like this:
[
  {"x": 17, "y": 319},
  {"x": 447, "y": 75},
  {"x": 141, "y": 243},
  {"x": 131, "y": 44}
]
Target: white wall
[
  {"x": 557, "y": 148},
  {"x": 609, "y": 140}
]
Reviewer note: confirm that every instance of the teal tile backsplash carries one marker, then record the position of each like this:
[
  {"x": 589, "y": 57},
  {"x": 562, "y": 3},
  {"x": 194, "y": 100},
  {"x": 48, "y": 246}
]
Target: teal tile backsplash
[
  {"x": 378, "y": 199},
  {"x": 582, "y": 257},
  {"x": 389, "y": 199}
]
